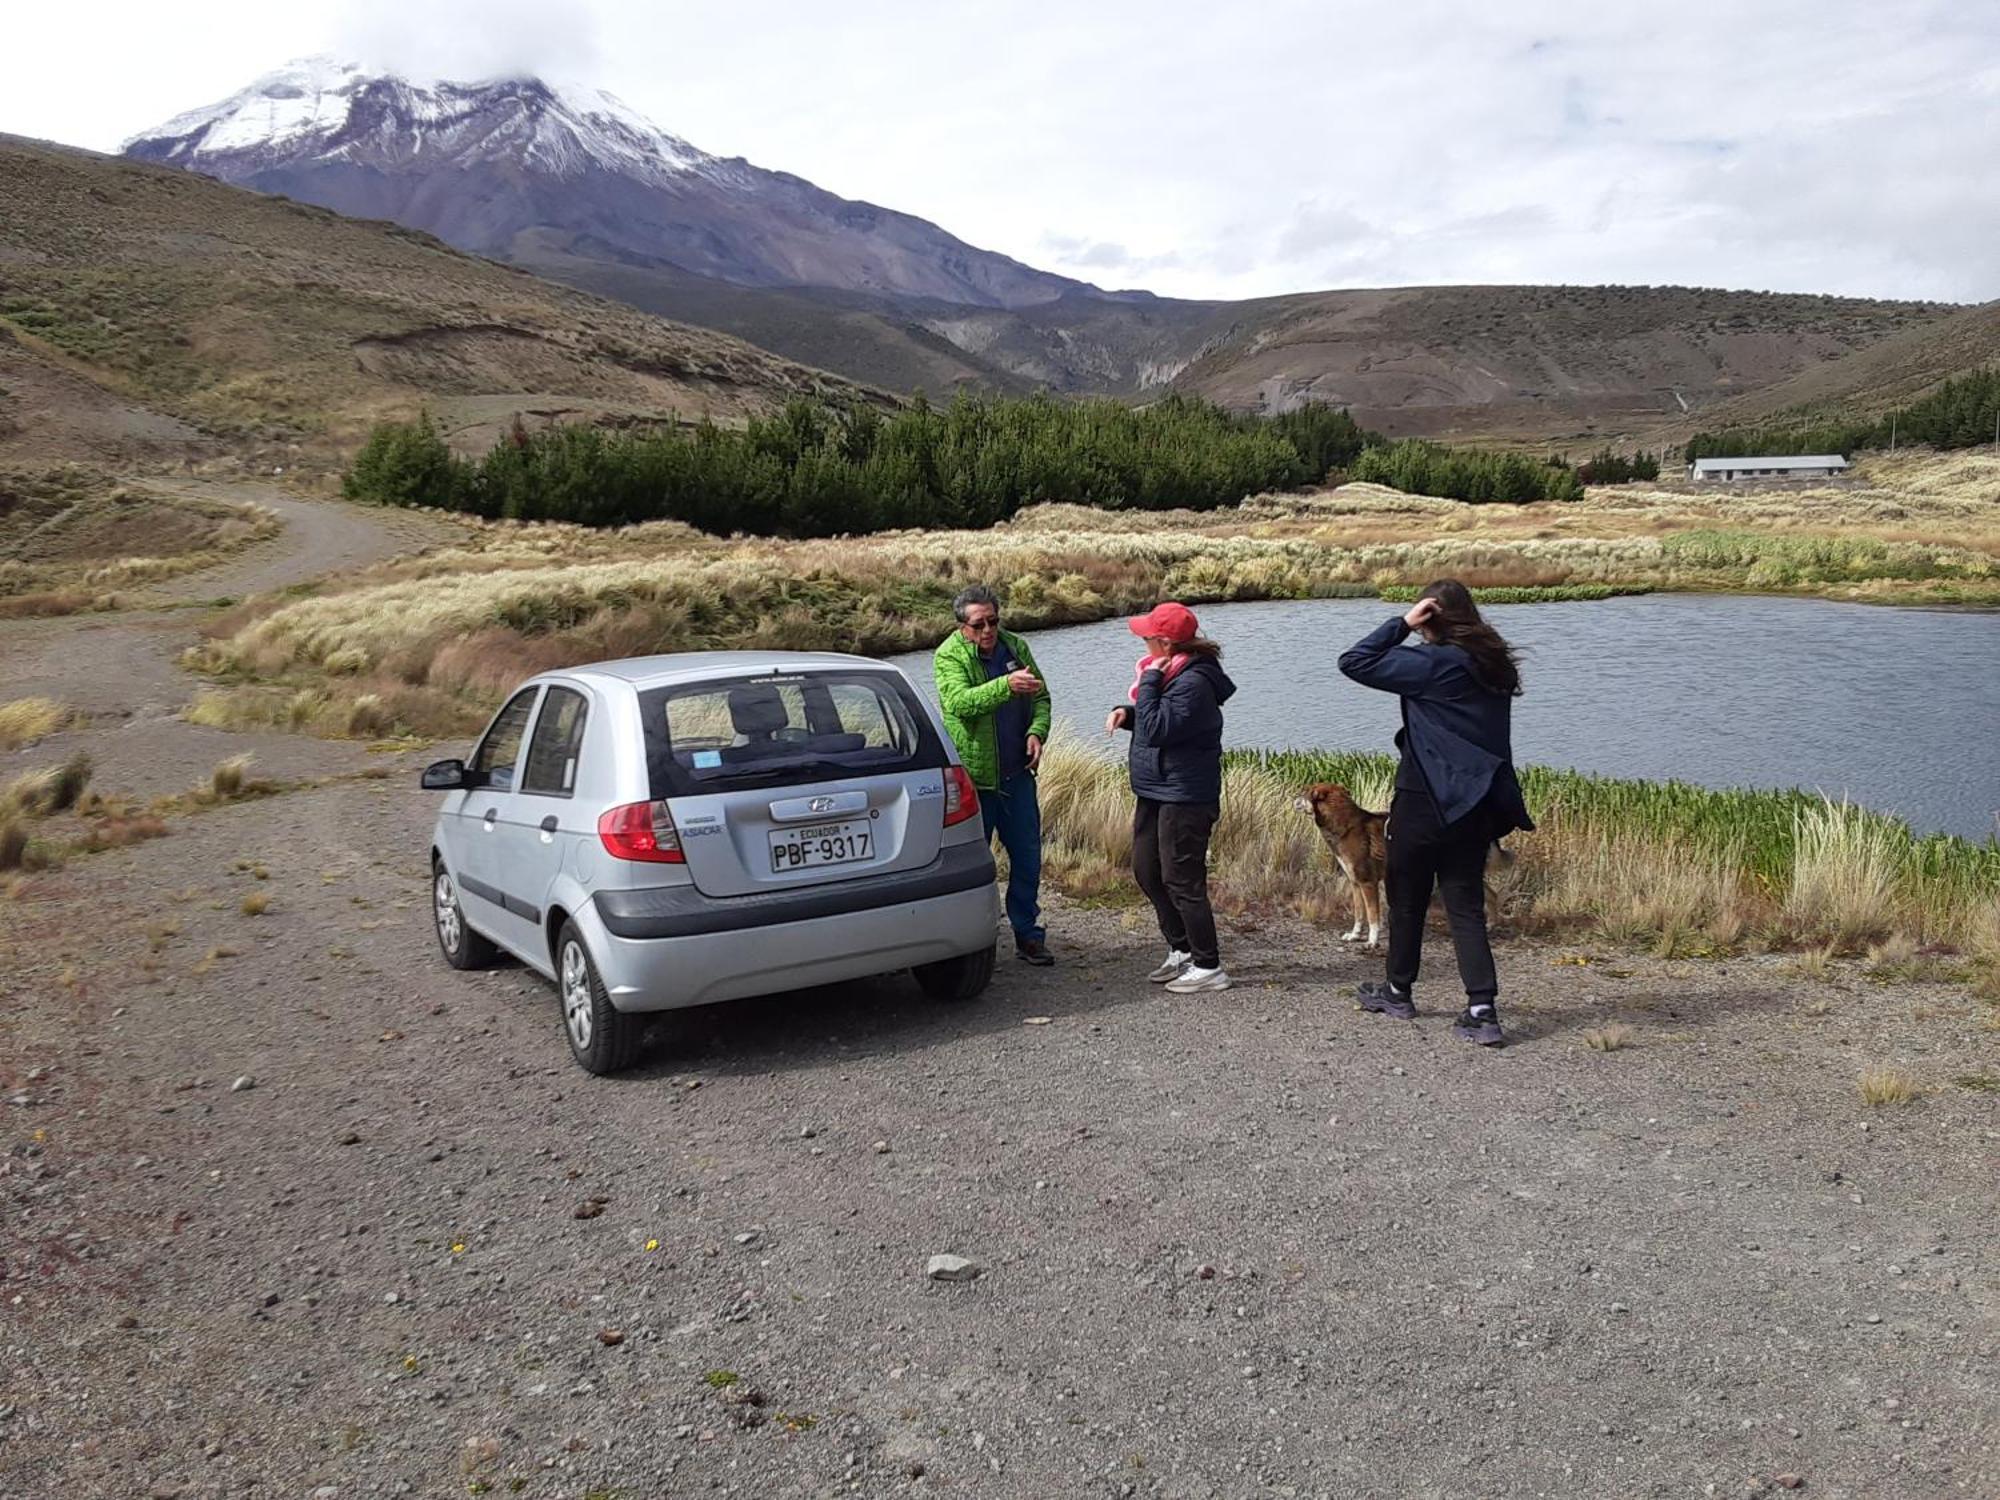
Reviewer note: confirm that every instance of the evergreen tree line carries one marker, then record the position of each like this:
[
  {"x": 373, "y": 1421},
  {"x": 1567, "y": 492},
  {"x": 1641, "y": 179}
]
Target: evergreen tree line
[
  {"x": 1958, "y": 414},
  {"x": 1606, "y": 467},
  {"x": 1423, "y": 468},
  {"x": 817, "y": 469}
]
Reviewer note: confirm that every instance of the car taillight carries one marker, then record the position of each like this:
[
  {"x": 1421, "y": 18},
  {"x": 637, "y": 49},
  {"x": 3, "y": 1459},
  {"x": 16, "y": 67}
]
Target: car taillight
[
  {"x": 961, "y": 797},
  {"x": 642, "y": 831}
]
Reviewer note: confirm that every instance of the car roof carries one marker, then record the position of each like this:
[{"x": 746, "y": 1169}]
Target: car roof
[{"x": 642, "y": 672}]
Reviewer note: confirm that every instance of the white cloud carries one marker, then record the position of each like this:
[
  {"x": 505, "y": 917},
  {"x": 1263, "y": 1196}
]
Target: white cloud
[
  {"x": 472, "y": 38},
  {"x": 1828, "y": 145}
]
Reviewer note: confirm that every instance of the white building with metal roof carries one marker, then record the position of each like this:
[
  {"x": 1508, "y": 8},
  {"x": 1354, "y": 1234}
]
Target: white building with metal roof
[{"x": 1731, "y": 470}]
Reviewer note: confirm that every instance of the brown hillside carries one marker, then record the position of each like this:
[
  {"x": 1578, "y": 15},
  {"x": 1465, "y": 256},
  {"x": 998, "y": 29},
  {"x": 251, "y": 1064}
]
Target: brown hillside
[
  {"x": 144, "y": 309},
  {"x": 1884, "y": 375},
  {"x": 1536, "y": 362}
]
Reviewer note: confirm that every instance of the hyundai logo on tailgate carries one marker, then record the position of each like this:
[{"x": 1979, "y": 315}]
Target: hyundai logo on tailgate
[{"x": 823, "y": 804}]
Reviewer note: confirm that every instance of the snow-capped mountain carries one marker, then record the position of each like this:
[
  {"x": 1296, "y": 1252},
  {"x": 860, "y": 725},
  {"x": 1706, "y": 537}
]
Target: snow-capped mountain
[{"x": 518, "y": 168}]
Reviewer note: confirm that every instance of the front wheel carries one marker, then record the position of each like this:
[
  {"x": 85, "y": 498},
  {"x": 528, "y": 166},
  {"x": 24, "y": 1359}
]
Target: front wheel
[
  {"x": 462, "y": 947},
  {"x": 956, "y": 978},
  {"x": 602, "y": 1038}
]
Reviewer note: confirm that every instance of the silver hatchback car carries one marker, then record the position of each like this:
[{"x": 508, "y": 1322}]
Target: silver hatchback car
[{"x": 676, "y": 830}]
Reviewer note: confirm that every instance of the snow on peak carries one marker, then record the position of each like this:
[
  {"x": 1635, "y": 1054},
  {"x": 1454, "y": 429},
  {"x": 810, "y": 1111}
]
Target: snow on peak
[
  {"x": 314, "y": 107},
  {"x": 305, "y": 97}
]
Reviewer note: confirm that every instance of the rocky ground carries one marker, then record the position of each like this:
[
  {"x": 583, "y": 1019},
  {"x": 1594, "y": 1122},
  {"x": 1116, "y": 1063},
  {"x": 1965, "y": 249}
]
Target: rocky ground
[{"x": 288, "y": 1208}]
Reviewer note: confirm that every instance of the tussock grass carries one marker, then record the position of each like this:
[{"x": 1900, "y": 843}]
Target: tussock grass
[
  {"x": 118, "y": 830},
  {"x": 1614, "y": 1038},
  {"x": 1685, "y": 871},
  {"x": 25, "y": 720},
  {"x": 1882, "y": 1084},
  {"x": 437, "y": 640},
  {"x": 14, "y": 853},
  {"x": 255, "y": 904},
  {"x": 1847, "y": 868},
  {"x": 226, "y": 780}
]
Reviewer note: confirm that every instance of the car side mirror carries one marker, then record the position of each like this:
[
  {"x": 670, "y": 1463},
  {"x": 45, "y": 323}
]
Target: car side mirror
[{"x": 445, "y": 776}]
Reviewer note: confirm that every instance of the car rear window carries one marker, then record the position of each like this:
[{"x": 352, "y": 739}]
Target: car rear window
[{"x": 727, "y": 734}]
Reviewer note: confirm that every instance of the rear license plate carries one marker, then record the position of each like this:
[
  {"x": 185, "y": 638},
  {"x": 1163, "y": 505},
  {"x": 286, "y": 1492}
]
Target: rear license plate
[{"x": 821, "y": 844}]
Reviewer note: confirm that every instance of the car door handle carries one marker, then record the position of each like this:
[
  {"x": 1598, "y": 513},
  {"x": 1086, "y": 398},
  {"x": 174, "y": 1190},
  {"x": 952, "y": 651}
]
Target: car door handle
[
  {"x": 490, "y": 814},
  {"x": 549, "y": 823}
]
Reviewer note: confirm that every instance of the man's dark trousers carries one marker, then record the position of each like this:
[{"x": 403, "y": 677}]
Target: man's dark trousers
[{"x": 1015, "y": 813}]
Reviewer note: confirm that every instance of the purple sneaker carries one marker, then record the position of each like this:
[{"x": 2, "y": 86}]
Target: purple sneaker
[
  {"x": 1384, "y": 1000},
  {"x": 1483, "y": 1030}
]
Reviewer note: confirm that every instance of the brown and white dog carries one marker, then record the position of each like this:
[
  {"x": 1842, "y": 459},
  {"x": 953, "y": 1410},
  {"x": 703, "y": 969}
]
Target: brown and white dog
[{"x": 1360, "y": 847}]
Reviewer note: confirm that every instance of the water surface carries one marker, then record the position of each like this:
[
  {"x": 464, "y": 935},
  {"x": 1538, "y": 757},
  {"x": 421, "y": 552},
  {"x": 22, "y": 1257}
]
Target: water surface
[{"x": 1894, "y": 708}]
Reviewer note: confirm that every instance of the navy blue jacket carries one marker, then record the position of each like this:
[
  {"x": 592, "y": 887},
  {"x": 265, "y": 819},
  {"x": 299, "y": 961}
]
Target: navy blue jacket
[
  {"x": 1177, "y": 733},
  {"x": 1459, "y": 730}
]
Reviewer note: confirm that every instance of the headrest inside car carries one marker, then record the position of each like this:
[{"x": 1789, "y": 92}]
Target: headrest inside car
[{"x": 757, "y": 712}]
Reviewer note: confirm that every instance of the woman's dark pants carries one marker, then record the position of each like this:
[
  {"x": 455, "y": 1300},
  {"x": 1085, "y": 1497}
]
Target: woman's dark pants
[
  {"x": 1425, "y": 854},
  {"x": 1170, "y": 862}
]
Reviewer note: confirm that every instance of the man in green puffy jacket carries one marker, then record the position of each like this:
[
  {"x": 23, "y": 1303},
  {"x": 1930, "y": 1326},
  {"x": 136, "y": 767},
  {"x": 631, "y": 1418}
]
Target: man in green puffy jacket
[{"x": 996, "y": 707}]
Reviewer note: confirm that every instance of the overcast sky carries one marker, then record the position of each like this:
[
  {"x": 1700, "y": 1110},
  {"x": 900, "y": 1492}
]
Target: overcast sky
[{"x": 1217, "y": 150}]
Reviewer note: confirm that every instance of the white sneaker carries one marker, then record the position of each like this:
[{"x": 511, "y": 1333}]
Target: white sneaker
[
  {"x": 1173, "y": 968},
  {"x": 1195, "y": 981}
]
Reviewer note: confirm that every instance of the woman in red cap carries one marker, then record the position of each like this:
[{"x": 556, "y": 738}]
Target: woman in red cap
[{"x": 1175, "y": 719}]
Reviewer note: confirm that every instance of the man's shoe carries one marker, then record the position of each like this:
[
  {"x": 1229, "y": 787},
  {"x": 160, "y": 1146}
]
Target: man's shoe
[
  {"x": 1195, "y": 981},
  {"x": 1033, "y": 951},
  {"x": 1484, "y": 1030},
  {"x": 1173, "y": 968},
  {"x": 1384, "y": 1000}
]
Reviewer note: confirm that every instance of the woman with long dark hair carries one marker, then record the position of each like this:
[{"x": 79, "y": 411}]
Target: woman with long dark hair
[
  {"x": 1175, "y": 720},
  {"x": 1456, "y": 791}
]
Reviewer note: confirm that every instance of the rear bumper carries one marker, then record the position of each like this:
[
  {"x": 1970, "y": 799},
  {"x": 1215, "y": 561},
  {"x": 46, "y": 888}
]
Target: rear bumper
[
  {"x": 790, "y": 945},
  {"x": 679, "y": 911}
]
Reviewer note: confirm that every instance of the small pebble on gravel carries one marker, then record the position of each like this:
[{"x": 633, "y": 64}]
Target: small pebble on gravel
[
  {"x": 243, "y": 1083},
  {"x": 952, "y": 1268}
]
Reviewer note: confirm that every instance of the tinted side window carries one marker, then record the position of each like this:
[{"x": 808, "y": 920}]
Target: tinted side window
[
  {"x": 558, "y": 739},
  {"x": 493, "y": 761}
]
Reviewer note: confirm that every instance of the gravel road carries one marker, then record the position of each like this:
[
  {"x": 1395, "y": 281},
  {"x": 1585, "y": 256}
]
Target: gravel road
[{"x": 1241, "y": 1245}]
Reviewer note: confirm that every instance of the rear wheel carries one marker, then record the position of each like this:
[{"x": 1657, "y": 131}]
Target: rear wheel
[
  {"x": 956, "y": 978},
  {"x": 602, "y": 1037},
  {"x": 463, "y": 948}
]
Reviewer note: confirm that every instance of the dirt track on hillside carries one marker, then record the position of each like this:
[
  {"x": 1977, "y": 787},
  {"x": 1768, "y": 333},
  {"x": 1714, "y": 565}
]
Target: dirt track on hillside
[{"x": 1254, "y": 1244}]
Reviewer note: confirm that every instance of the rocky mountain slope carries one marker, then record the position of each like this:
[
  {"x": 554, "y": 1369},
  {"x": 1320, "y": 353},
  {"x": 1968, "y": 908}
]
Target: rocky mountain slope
[{"x": 481, "y": 164}]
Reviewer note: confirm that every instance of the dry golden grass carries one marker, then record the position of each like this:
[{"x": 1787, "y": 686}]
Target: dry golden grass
[
  {"x": 25, "y": 720},
  {"x": 255, "y": 904},
  {"x": 1882, "y": 1084},
  {"x": 1846, "y": 875},
  {"x": 75, "y": 539},
  {"x": 1622, "y": 881},
  {"x": 1613, "y": 1038},
  {"x": 427, "y": 645},
  {"x": 226, "y": 780}
]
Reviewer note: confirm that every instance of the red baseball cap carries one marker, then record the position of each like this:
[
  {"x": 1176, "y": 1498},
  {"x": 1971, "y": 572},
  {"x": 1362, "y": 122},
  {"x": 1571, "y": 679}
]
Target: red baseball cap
[{"x": 1176, "y": 622}]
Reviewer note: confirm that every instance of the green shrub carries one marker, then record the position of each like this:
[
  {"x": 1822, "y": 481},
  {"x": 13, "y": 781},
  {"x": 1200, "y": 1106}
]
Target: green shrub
[
  {"x": 408, "y": 463},
  {"x": 1417, "y": 467}
]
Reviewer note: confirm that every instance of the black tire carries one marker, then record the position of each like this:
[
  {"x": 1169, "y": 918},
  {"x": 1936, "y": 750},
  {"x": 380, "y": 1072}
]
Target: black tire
[
  {"x": 956, "y": 978},
  {"x": 602, "y": 1038},
  {"x": 462, "y": 947}
]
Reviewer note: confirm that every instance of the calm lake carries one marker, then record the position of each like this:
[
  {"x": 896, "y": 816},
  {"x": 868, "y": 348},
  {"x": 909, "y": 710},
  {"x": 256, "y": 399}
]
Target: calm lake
[{"x": 1898, "y": 709}]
